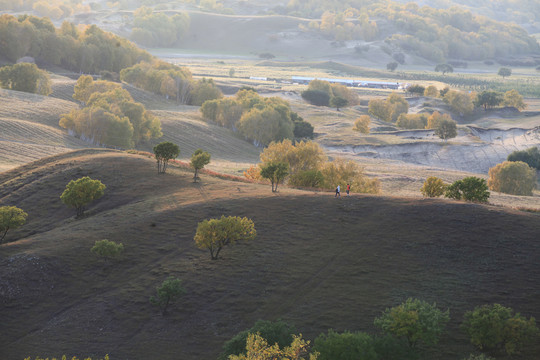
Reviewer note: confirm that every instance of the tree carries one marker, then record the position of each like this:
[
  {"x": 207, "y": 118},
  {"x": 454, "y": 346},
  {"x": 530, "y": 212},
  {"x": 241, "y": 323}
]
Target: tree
[
  {"x": 214, "y": 234},
  {"x": 303, "y": 130},
  {"x": 107, "y": 249},
  {"x": 344, "y": 346},
  {"x": 164, "y": 152},
  {"x": 275, "y": 332},
  {"x": 81, "y": 192},
  {"x": 316, "y": 97},
  {"x": 257, "y": 348},
  {"x": 433, "y": 187},
  {"x": 169, "y": 291},
  {"x": 446, "y": 129},
  {"x": 496, "y": 328},
  {"x": 25, "y": 77},
  {"x": 459, "y": 101},
  {"x": 512, "y": 177},
  {"x": 415, "y": 320},
  {"x": 380, "y": 109},
  {"x": 444, "y": 68},
  {"x": 513, "y": 98},
  {"x": 199, "y": 160},
  {"x": 470, "y": 188},
  {"x": 11, "y": 217},
  {"x": 275, "y": 172},
  {"x": 489, "y": 99},
  {"x": 338, "y": 101},
  {"x": 531, "y": 157},
  {"x": 434, "y": 120},
  {"x": 416, "y": 89},
  {"x": 362, "y": 124},
  {"x": 391, "y": 66},
  {"x": 431, "y": 91},
  {"x": 504, "y": 72}
]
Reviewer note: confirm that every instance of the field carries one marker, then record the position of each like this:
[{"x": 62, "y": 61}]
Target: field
[{"x": 318, "y": 262}]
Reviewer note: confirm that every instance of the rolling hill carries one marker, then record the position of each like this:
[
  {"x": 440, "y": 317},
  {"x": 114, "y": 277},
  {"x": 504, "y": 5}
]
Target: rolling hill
[{"x": 318, "y": 262}]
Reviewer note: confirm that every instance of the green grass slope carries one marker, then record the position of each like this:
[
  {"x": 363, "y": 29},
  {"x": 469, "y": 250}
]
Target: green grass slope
[{"x": 318, "y": 262}]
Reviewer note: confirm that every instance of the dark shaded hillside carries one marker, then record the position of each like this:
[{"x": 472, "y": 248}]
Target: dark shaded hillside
[{"x": 318, "y": 262}]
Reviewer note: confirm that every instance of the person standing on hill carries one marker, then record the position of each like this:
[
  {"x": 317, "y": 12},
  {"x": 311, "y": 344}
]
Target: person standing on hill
[
  {"x": 337, "y": 192},
  {"x": 348, "y": 189}
]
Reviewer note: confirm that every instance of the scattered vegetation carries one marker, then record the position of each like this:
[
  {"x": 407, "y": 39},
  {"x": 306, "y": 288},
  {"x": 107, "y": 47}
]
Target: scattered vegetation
[{"x": 258, "y": 348}]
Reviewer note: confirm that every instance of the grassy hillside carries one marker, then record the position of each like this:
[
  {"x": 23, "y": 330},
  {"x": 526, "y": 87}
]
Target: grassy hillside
[{"x": 318, "y": 262}]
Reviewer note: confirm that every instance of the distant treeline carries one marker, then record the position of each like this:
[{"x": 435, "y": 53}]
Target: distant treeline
[
  {"x": 54, "y": 9},
  {"x": 435, "y": 34},
  {"x": 86, "y": 49}
]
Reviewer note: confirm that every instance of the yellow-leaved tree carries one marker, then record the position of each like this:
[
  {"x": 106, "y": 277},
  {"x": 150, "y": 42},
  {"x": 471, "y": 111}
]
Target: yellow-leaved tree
[{"x": 214, "y": 234}]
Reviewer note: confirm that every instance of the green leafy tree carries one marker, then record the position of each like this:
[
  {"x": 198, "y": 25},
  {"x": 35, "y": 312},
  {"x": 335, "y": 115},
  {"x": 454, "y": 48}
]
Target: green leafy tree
[
  {"x": 345, "y": 346},
  {"x": 431, "y": 91},
  {"x": 415, "y": 320},
  {"x": 496, "y": 328},
  {"x": 11, "y": 217},
  {"x": 275, "y": 172},
  {"x": 444, "y": 68},
  {"x": 433, "y": 187},
  {"x": 412, "y": 121},
  {"x": 203, "y": 90},
  {"x": 164, "y": 152},
  {"x": 81, "y": 192},
  {"x": 107, "y": 249},
  {"x": 489, "y": 99},
  {"x": 416, "y": 89},
  {"x": 257, "y": 348},
  {"x": 316, "y": 97},
  {"x": 531, "y": 157},
  {"x": 169, "y": 291},
  {"x": 214, "y": 234},
  {"x": 303, "y": 130},
  {"x": 471, "y": 188},
  {"x": 338, "y": 102},
  {"x": 446, "y": 129},
  {"x": 504, "y": 72},
  {"x": 512, "y": 177},
  {"x": 275, "y": 332},
  {"x": 199, "y": 160},
  {"x": 307, "y": 178}
]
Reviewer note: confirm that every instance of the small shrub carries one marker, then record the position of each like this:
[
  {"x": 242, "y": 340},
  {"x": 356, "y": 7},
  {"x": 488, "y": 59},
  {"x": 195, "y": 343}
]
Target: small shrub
[
  {"x": 470, "y": 189},
  {"x": 307, "y": 178},
  {"x": 344, "y": 346},
  {"x": 273, "y": 331},
  {"x": 107, "y": 249},
  {"x": 169, "y": 291},
  {"x": 433, "y": 187}
]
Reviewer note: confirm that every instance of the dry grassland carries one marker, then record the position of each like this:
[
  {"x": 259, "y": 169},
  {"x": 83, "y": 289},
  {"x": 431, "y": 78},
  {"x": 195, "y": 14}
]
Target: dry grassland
[{"x": 318, "y": 262}]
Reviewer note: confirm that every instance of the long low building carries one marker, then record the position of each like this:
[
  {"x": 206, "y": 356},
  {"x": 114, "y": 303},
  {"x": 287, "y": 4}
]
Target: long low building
[{"x": 355, "y": 83}]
